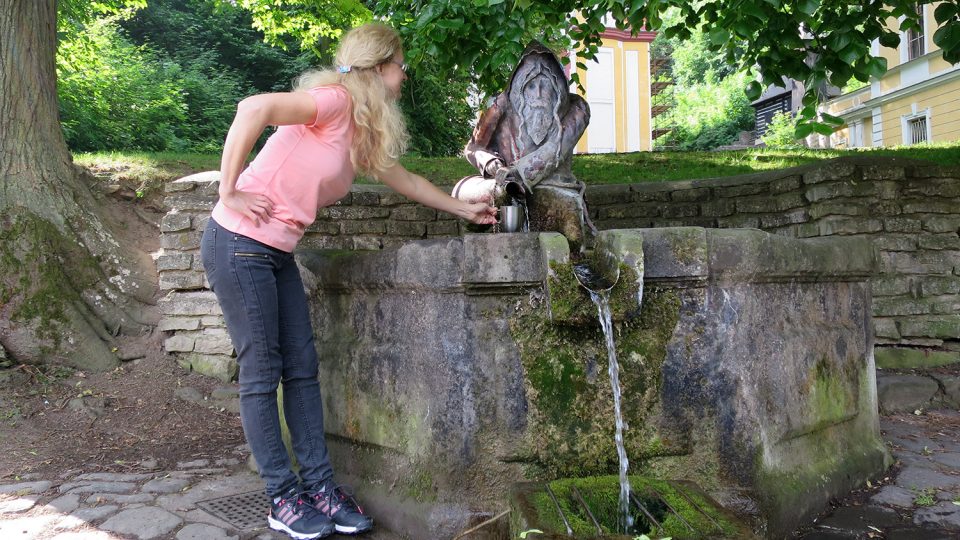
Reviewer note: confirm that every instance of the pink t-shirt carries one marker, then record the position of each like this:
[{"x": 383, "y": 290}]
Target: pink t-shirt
[{"x": 300, "y": 169}]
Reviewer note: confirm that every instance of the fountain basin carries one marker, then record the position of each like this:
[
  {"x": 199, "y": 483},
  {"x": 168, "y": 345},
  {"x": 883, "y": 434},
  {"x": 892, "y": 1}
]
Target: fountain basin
[{"x": 452, "y": 369}]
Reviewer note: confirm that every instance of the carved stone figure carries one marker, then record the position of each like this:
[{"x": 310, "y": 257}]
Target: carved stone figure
[{"x": 525, "y": 140}]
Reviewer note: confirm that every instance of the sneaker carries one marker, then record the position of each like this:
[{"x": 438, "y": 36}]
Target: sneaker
[
  {"x": 293, "y": 514},
  {"x": 340, "y": 506}
]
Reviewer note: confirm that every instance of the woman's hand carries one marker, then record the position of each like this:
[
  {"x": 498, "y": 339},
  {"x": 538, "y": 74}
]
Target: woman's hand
[
  {"x": 255, "y": 207},
  {"x": 481, "y": 213}
]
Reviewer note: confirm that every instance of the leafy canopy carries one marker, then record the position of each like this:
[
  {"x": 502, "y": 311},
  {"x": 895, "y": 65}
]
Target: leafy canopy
[{"x": 814, "y": 41}]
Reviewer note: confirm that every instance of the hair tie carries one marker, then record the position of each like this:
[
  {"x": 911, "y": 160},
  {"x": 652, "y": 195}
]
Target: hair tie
[{"x": 344, "y": 69}]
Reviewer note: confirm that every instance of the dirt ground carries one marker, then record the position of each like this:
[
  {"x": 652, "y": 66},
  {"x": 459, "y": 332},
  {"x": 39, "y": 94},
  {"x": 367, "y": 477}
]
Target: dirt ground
[{"x": 54, "y": 419}]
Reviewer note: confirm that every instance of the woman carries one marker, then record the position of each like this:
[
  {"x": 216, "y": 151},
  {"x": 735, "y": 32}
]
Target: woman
[{"x": 335, "y": 123}]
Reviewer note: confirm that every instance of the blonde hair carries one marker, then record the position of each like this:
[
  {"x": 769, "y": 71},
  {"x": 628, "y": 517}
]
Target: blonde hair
[{"x": 380, "y": 133}]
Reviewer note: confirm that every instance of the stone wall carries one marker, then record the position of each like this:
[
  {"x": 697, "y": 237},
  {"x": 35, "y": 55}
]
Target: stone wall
[{"x": 910, "y": 210}]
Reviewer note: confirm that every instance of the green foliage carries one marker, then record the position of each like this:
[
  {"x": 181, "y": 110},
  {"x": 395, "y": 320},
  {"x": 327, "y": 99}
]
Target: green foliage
[
  {"x": 925, "y": 497},
  {"x": 115, "y": 95},
  {"x": 709, "y": 114},
  {"x": 486, "y": 37},
  {"x": 438, "y": 116},
  {"x": 781, "y": 131},
  {"x": 315, "y": 24}
]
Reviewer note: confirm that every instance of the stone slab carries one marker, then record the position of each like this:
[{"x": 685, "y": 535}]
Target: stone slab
[{"x": 144, "y": 523}]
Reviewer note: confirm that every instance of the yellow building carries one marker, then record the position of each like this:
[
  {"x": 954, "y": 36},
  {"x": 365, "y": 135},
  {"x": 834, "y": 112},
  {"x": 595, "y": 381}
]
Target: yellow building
[
  {"x": 617, "y": 87},
  {"x": 917, "y": 100}
]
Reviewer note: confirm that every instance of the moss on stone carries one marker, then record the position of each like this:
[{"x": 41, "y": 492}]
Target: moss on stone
[
  {"x": 671, "y": 508},
  {"x": 566, "y": 376}
]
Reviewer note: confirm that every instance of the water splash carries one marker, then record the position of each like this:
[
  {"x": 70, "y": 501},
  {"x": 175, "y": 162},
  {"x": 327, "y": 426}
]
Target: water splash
[{"x": 602, "y": 300}]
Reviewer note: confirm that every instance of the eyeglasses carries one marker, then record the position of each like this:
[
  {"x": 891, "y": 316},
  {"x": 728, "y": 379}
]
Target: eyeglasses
[{"x": 403, "y": 65}]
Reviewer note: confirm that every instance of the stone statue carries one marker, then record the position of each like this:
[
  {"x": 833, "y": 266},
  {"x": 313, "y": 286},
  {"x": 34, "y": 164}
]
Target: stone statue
[{"x": 524, "y": 141}]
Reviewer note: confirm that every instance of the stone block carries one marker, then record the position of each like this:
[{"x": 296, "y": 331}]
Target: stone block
[
  {"x": 212, "y": 321},
  {"x": 189, "y": 201},
  {"x": 927, "y": 206},
  {"x": 901, "y": 225},
  {"x": 190, "y": 303},
  {"x": 945, "y": 304},
  {"x": 350, "y": 212},
  {"x": 649, "y": 192},
  {"x": 906, "y": 358},
  {"x": 174, "y": 222},
  {"x": 885, "y": 328},
  {"x": 621, "y": 211},
  {"x": 346, "y": 200},
  {"x": 323, "y": 227},
  {"x": 218, "y": 366},
  {"x": 918, "y": 262},
  {"x": 833, "y": 170},
  {"x": 942, "y": 224},
  {"x": 176, "y": 280},
  {"x": 951, "y": 388},
  {"x": 392, "y": 198},
  {"x": 777, "y": 203},
  {"x": 415, "y": 229},
  {"x": 742, "y": 190},
  {"x": 413, "y": 213},
  {"x": 168, "y": 324},
  {"x": 896, "y": 242},
  {"x": 847, "y": 226},
  {"x": 739, "y": 222},
  {"x": 905, "y": 393},
  {"x": 179, "y": 343},
  {"x": 783, "y": 185},
  {"x": 213, "y": 343},
  {"x": 718, "y": 208},
  {"x": 882, "y": 172},
  {"x": 443, "y": 228},
  {"x": 936, "y": 285},
  {"x": 806, "y": 230},
  {"x": 364, "y": 227},
  {"x": 940, "y": 241},
  {"x": 891, "y": 285},
  {"x": 182, "y": 241},
  {"x": 800, "y": 215},
  {"x": 835, "y": 208},
  {"x": 939, "y": 326},
  {"x": 174, "y": 261},
  {"x": 680, "y": 211},
  {"x": 899, "y": 305},
  {"x": 607, "y": 194},
  {"x": 934, "y": 187},
  {"x": 690, "y": 195},
  {"x": 366, "y": 198}
]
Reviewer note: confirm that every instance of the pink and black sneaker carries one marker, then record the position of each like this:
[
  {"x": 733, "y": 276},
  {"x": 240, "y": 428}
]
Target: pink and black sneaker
[
  {"x": 294, "y": 514},
  {"x": 342, "y": 508}
]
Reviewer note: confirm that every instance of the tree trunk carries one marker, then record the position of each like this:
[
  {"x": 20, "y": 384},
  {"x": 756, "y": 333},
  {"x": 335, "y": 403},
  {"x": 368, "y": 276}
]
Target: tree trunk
[{"x": 66, "y": 285}]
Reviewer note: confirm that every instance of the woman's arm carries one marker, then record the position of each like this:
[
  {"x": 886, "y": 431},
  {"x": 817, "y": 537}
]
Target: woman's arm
[
  {"x": 419, "y": 189},
  {"x": 253, "y": 115}
]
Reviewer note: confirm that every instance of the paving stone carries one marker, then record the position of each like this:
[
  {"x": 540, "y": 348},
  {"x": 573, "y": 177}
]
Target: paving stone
[
  {"x": 94, "y": 513},
  {"x": 20, "y": 504},
  {"x": 65, "y": 503},
  {"x": 915, "y": 533},
  {"x": 945, "y": 515},
  {"x": 918, "y": 477},
  {"x": 84, "y": 535},
  {"x": 114, "y": 477},
  {"x": 950, "y": 459},
  {"x": 119, "y": 498},
  {"x": 894, "y": 496},
  {"x": 144, "y": 523},
  {"x": 193, "y": 464},
  {"x": 165, "y": 485},
  {"x": 149, "y": 464},
  {"x": 211, "y": 488},
  {"x": 25, "y": 488},
  {"x": 94, "y": 487},
  {"x": 828, "y": 535},
  {"x": 201, "y": 531},
  {"x": 227, "y": 462},
  {"x": 858, "y": 519},
  {"x": 28, "y": 526}
]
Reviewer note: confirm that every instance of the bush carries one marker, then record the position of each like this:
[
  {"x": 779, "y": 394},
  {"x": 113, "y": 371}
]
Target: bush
[{"x": 780, "y": 132}]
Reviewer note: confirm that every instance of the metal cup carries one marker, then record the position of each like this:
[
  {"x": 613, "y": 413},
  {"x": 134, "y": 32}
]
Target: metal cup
[{"x": 510, "y": 218}]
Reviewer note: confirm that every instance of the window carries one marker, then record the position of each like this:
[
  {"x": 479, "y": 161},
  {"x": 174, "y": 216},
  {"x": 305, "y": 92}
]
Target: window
[
  {"x": 915, "y": 37},
  {"x": 917, "y": 129}
]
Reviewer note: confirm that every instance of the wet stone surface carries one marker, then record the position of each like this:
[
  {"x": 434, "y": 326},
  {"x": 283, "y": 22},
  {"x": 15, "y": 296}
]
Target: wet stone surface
[{"x": 918, "y": 499}]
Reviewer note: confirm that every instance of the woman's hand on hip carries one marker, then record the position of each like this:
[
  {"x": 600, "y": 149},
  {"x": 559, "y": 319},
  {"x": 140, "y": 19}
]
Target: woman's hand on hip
[{"x": 253, "y": 206}]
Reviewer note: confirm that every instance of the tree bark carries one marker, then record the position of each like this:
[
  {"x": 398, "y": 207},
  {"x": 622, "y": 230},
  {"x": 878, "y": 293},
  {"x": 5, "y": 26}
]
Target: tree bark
[{"x": 67, "y": 285}]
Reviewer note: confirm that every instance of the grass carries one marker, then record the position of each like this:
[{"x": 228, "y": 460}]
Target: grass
[{"x": 149, "y": 170}]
